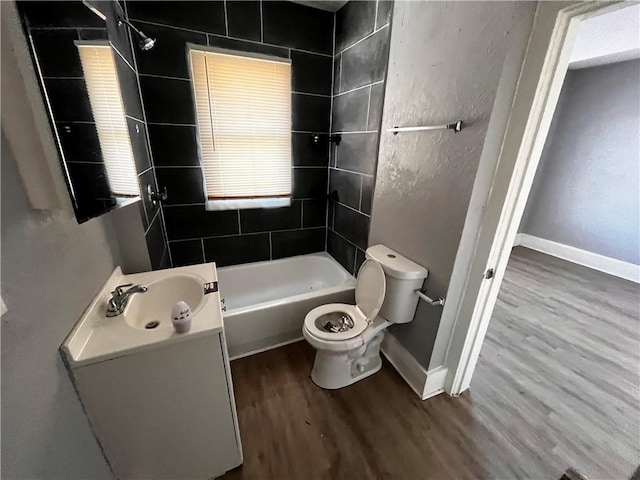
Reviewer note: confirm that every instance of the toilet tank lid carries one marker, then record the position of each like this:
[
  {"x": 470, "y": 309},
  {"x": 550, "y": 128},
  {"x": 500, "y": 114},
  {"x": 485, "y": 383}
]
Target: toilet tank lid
[{"x": 395, "y": 265}]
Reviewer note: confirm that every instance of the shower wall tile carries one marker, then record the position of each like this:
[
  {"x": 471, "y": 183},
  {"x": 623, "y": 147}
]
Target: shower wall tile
[
  {"x": 297, "y": 26},
  {"x": 282, "y": 29},
  {"x": 297, "y": 242},
  {"x": 80, "y": 142},
  {"x": 169, "y": 55},
  {"x": 186, "y": 252},
  {"x": 69, "y": 99},
  {"x": 174, "y": 145},
  {"x": 237, "y": 249},
  {"x": 366, "y": 62},
  {"x": 244, "y": 20},
  {"x": 360, "y": 66},
  {"x": 138, "y": 137},
  {"x": 354, "y": 21},
  {"x": 206, "y": 16},
  {"x": 57, "y": 54}
]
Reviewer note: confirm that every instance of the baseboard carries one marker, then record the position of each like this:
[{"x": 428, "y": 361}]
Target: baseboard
[
  {"x": 424, "y": 383},
  {"x": 612, "y": 266},
  {"x": 264, "y": 349}
]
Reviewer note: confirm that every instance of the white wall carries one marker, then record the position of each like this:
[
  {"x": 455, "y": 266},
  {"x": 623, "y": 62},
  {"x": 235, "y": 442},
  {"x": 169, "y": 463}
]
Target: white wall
[{"x": 445, "y": 64}]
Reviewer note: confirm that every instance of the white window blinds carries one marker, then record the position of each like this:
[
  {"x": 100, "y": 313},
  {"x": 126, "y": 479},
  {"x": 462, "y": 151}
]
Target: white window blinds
[
  {"x": 108, "y": 113},
  {"x": 243, "y": 107}
]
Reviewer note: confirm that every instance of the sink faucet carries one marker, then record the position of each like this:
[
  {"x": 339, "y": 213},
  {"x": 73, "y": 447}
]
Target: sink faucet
[{"x": 120, "y": 297}]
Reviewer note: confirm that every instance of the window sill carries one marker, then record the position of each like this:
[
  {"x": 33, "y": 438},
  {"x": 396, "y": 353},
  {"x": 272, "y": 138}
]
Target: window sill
[{"x": 244, "y": 203}]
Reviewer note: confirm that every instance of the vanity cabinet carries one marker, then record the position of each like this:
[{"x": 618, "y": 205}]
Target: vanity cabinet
[{"x": 166, "y": 412}]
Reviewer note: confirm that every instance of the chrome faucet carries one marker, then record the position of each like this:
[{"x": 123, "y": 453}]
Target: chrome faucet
[{"x": 120, "y": 298}]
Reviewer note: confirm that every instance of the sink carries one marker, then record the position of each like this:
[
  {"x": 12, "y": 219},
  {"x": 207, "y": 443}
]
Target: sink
[
  {"x": 156, "y": 303},
  {"x": 96, "y": 337}
]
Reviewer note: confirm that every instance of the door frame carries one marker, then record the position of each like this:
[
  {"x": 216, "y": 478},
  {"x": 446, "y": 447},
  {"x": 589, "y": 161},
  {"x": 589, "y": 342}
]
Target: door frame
[{"x": 541, "y": 77}]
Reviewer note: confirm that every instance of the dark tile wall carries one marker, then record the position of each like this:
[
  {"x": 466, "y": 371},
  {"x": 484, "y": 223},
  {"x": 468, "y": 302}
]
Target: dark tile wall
[
  {"x": 360, "y": 65},
  {"x": 303, "y": 34},
  {"x": 52, "y": 30},
  {"x": 53, "y": 27}
]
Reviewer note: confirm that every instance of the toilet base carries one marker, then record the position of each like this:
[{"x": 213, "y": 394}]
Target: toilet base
[{"x": 332, "y": 370}]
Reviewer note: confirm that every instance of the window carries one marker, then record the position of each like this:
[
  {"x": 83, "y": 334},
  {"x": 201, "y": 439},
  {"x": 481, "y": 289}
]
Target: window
[
  {"x": 243, "y": 108},
  {"x": 108, "y": 113}
]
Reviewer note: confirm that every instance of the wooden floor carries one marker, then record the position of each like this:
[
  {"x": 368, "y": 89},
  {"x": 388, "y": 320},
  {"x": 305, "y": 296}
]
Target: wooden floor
[{"x": 557, "y": 386}]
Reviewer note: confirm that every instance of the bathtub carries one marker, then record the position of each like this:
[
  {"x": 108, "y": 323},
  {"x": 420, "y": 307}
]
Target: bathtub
[{"x": 266, "y": 302}]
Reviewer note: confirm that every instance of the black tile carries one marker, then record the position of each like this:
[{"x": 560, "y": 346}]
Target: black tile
[
  {"x": 155, "y": 242},
  {"x": 243, "y": 18},
  {"x": 57, "y": 53},
  {"x": 193, "y": 221},
  {"x": 354, "y": 21},
  {"x": 267, "y": 219},
  {"x": 350, "y": 111},
  {"x": 203, "y": 16},
  {"x": 93, "y": 34},
  {"x": 297, "y": 242},
  {"x": 375, "y": 107},
  {"x": 167, "y": 100},
  {"x": 148, "y": 178},
  {"x": 298, "y": 26},
  {"x": 89, "y": 181},
  {"x": 187, "y": 252},
  {"x": 143, "y": 214},
  {"x": 237, "y": 249},
  {"x": 330, "y": 213},
  {"x": 138, "y": 136},
  {"x": 358, "y": 152},
  {"x": 314, "y": 213},
  {"x": 80, "y": 142},
  {"x": 310, "y": 113},
  {"x": 365, "y": 62},
  {"x": 184, "y": 185},
  {"x": 336, "y": 73},
  {"x": 341, "y": 250},
  {"x": 169, "y": 55},
  {"x": 242, "y": 46},
  {"x": 311, "y": 73},
  {"x": 174, "y": 146},
  {"x": 351, "y": 225},
  {"x": 360, "y": 258},
  {"x": 166, "y": 260},
  {"x": 385, "y": 11},
  {"x": 367, "y": 195},
  {"x": 118, "y": 34},
  {"x": 309, "y": 182},
  {"x": 69, "y": 100},
  {"x": 306, "y": 153},
  {"x": 128, "y": 88},
  {"x": 59, "y": 14},
  {"x": 344, "y": 187}
]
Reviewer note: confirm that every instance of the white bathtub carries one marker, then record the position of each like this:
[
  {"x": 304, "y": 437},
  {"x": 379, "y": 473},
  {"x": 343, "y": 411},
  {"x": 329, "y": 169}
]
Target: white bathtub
[{"x": 266, "y": 302}]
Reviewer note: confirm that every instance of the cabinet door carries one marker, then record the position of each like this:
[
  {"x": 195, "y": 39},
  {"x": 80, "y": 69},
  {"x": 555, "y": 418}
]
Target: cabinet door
[{"x": 163, "y": 413}]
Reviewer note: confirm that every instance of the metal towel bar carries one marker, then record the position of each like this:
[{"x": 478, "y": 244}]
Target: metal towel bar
[{"x": 456, "y": 127}]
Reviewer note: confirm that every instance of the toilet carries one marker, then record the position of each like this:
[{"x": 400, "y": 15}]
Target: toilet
[{"x": 347, "y": 338}]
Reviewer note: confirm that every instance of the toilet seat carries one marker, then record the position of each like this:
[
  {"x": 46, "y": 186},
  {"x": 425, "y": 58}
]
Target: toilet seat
[{"x": 370, "y": 291}]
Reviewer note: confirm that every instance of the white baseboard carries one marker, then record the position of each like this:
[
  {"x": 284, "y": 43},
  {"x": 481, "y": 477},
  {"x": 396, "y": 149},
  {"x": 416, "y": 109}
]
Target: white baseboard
[
  {"x": 612, "y": 266},
  {"x": 424, "y": 383},
  {"x": 264, "y": 349}
]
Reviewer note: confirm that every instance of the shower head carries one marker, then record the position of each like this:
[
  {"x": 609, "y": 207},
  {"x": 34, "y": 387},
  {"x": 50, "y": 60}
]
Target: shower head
[{"x": 144, "y": 42}]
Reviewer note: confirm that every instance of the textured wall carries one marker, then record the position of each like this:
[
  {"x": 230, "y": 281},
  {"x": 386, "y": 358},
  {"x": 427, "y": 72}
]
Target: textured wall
[
  {"x": 51, "y": 269},
  {"x": 424, "y": 179},
  {"x": 587, "y": 187},
  {"x": 360, "y": 66}
]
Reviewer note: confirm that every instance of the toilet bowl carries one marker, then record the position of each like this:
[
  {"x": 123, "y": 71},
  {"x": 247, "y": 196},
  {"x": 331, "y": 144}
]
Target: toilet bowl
[{"x": 347, "y": 338}]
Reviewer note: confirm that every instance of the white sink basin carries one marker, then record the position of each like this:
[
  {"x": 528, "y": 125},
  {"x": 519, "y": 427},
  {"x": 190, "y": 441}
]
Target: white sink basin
[
  {"x": 96, "y": 337},
  {"x": 144, "y": 309}
]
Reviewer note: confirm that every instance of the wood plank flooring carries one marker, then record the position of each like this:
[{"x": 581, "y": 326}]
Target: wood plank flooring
[{"x": 557, "y": 386}]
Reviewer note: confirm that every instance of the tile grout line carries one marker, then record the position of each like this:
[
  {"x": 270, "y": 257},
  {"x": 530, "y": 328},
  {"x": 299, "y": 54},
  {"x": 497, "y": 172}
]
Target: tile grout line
[
  {"x": 262, "y": 26},
  {"x": 232, "y": 235},
  {"x": 332, "y": 148},
  {"x": 239, "y": 224},
  {"x": 357, "y": 88},
  {"x": 375, "y": 18},
  {"x": 368, "y": 108},
  {"x": 204, "y": 258},
  {"x": 364, "y": 38},
  {"x": 226, "y": 20}
]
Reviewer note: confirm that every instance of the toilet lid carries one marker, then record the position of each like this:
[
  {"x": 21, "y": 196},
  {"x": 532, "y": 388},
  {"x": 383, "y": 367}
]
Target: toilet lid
[{"x": 370, "y": 288}]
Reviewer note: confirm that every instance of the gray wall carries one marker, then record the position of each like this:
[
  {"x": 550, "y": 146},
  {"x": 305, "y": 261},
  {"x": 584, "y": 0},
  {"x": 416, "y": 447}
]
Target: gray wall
[
  {"x": 586, "y": 192},
  {"x": 51, "y": 269},
  {"x": 424, "y": 179}
]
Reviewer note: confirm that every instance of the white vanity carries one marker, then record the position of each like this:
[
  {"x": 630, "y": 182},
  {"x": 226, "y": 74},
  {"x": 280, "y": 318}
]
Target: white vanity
[{"x": 161, "y": 403}]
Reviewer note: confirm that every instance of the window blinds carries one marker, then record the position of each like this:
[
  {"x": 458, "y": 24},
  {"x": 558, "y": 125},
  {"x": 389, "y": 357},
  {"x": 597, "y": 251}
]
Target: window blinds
[
  {"x": 108, "y": 113},
  {"x": 243, "y": 107}
]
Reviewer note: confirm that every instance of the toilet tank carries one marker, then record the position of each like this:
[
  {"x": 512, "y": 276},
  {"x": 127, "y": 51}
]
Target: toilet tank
[{"x": 403, "y": 277}]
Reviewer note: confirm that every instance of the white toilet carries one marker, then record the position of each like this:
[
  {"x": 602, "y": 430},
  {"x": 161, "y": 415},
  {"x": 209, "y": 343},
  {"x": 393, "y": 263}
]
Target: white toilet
[{"x": 347, "y": 337}]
